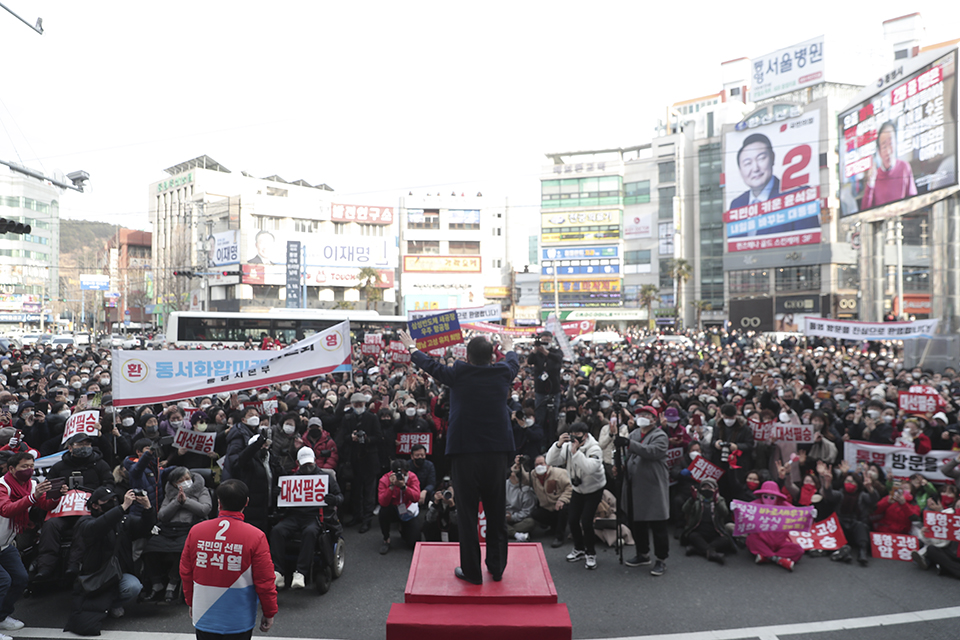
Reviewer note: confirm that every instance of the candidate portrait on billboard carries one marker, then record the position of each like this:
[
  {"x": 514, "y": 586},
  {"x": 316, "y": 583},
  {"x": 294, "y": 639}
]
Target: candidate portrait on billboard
[
  {"x": 901, "y": 142},
  {"x": 772, "y": 179}
]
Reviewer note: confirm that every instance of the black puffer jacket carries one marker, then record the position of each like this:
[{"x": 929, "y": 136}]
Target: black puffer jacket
[{"x": 94, "y": 471}]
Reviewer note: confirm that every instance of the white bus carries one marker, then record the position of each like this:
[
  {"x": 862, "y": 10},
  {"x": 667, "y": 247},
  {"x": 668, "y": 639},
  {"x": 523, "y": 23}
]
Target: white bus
[{"x": 233, "y": 328}]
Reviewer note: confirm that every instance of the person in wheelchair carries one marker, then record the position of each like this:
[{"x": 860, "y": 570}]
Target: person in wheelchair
[
  {"x": 186, "y": 502},
  {"x": 305, "y": 523}
]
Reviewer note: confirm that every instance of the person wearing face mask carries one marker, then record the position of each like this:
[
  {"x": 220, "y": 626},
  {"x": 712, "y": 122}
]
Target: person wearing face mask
[
  {"x": 425, "y": 471},
  {"x": 107, "y": 535},
  {"x": 20, "y": 494},
  {"x": 527, "y": 434},
  {"x": 646, "y": 489},
  {"x": 358, "y": 441},
  {"x": 855, "y": 505},
  {"x": 237, "y": 440},
  {"x": 732, "y": 446},
  {"x": 325, "y": 453},
  {"x": 201, "y": 423},
  {"x": 547, "y": 362},
  {"x": 253, "y": 469},
  {"x": 551, "y": 486},
  {"x": 773, "y": 546},
  {"x": 410, "y": 422},
  {"x": 286, "y": 442},
  {"x": 186, "y": 502},
  {"x": 704, "y": 528},
  {"x": 82, "y": 466},
  {"x": 143, "y": 468}
]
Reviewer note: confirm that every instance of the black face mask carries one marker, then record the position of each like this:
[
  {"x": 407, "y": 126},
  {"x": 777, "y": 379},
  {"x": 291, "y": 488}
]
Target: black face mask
[
  {"x": 417, "y": 462},
  {"x": 707, "y": 494}
]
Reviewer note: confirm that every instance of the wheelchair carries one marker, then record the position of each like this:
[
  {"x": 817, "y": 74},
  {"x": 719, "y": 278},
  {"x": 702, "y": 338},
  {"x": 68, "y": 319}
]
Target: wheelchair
[{"x": 328, "y": 561}]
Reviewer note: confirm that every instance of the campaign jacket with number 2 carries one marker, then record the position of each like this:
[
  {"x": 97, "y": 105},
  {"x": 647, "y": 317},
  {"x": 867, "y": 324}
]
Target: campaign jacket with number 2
[{"x": 226, "y": 568}]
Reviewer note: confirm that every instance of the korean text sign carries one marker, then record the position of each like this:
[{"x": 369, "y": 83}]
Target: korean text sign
[
  {"x": 942, "y": 526},
  {"x": 86, "y": 422},
  {"x": 194, "y": 441},
  {"x": 73, "y": 503},
  {"x": 772, "y": 191},
  {"x": 918, "y": 402},
  {"x": 853, "y": 330},
  {"x": 897, "y": 461},
  {"x": 786, "y": 70},
  {"x": 302, "y": 491},
  {"x": 405, "y": 442},
  {"x": 147, "y": 377},
  {"x": 825, "y": 535},
  {"x": 702, "y": 468},
  {"x": 754, "y": 517},
  {"x": 902, "y": 141},
  {"x": 434, "y": 332},
  {"x": 893, "y": 546}
]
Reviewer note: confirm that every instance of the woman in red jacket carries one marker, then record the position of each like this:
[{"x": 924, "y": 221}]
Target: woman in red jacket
[
  {"x": 895, "y": 511},
  {"x": 399, "y": 498}
]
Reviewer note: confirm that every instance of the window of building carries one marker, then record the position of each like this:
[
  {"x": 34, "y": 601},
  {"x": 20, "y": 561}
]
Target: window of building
[
  {"x": 665, "y": 234},
  {"x": 371, "y": 229},
  {"x": 711, "y": 226},
  {"x": 848, "y": 276},
  {"x": 637, "y": 257},
  {"x": 667, "y": 172},
  {"x": 916, "y": 280},
  {"x": 749, "y": 282},
  {"x": 423, "y": 247},
  {"x": 464, "y": 248},
  {"x": 665, "y": 205},
  {"x": 267, "y": 223},
  {"x": 916, "y": 228},
  {"x": 340, "y": 228},
  {"x": 901, "y": 54},
  {"x": 464, "y": 219},
  {"x": 636, "y": 192},
  {"x": 735, "y": 91},
  {"x": 306, "y": 226},
  {"x": 426, "y": 219},
  {"x": 666, "y": 277},
  {"x": 581, "y": 192},
  {"x": 797, "y": 278}
]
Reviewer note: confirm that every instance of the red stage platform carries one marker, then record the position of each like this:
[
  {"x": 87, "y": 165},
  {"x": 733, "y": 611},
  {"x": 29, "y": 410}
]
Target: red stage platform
[{"x": 523, "y": 606}]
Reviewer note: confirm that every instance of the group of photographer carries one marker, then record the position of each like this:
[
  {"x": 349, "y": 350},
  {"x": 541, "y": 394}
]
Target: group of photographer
[{"x": 603, "y": 443}]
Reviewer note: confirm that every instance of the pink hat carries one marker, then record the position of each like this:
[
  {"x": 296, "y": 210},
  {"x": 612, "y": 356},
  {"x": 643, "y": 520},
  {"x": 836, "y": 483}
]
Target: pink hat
[{"x": 770, "y": 488}]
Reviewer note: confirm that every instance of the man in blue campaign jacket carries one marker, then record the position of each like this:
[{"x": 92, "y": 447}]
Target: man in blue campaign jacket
[{"x": 479, "y": 444}]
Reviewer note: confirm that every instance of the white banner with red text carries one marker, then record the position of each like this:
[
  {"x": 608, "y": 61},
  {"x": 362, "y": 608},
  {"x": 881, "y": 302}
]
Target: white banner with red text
[
  {"x": 302, "y": 491},
  {"x": 85, "y": 422},
  {"x": 853, "y": 330},
  {"x": 897, "y": 461}
]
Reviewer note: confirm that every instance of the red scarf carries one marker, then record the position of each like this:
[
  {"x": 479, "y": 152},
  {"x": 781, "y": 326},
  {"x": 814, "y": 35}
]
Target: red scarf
[{"x": 21, "y": 521}]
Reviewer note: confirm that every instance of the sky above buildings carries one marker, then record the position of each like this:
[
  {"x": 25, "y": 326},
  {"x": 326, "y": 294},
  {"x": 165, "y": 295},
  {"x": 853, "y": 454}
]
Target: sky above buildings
[{"x": 380, "y": 99}]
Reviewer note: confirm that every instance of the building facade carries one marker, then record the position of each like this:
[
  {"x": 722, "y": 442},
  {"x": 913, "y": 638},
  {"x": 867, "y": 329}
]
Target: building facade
[{"x": 127, "y": 259}]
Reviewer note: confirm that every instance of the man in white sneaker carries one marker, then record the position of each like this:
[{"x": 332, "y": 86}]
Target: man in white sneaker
[{"x": 520, "y": 504}]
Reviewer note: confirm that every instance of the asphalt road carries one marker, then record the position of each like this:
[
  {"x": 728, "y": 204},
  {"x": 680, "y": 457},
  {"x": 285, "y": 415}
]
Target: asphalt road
[{"x": 612, "y": 601}]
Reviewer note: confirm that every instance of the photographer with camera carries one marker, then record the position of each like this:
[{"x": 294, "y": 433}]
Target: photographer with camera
[
  {"x": 237, "y": 438},
  {"x": 82, "y": 468},
  {"x": 547, "y": 363},
  {"x": 441, "y": 516},
  {"x": 143, "y": 469},
  {"x": 399, "y": 497},
  {"x": 358, "y": 440},
  {"x": 521, "y": 502},
  {"x": 551, "y": 486},
  {"x": 582, "y": 457},
  {"x": 732, "y": 448}
]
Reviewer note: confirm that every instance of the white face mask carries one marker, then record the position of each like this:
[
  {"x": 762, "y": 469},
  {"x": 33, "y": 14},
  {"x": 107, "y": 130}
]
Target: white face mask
[
  {"x": 83, "y": 381},
  {"x": 784, "y": 417},
  {"x": 515, "y": 397},
  {"x": 332, "y": 398},
  {"x": 367, "y": 397},
  {"x": 76, "y": 384},
  {"x": 204, "y": 407},
  {"x": 359, "y": 410},
  {"x": 12, "y": 408},
  {"x": 729, "y": 421},
  {"x": 605, "y": 405},
  {"x": 65, "y": 413},
  {"x": 873, "y": 413},
  {"x": 694, "y": 455},
  {"x": 839, "y": 397},
  {"x": 186, "y": 484},
  {"x": 529, "y": 422},
  {"x": 289, "y": 428},
  {"x": 105, "y": 380},
  {"x": 127, "y": 422},
  {"x": 421, "y": 411},
  {"x": 284, "y": 388},
  {"x": 253, "y": 421},
  {"x": 410, "y": 411},
  {"x": 176, "y": 424},
  {"x": 540, "y": 469},
  {"x": 610, "y": 383},
  {"x": 643, "y": 422}
]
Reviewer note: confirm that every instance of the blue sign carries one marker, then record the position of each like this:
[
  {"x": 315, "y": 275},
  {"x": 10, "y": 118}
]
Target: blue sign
[
  {"x": 435, "y": 332},
  {"x": 94, "y": 282},
  {"x": 583, "y": 269}
]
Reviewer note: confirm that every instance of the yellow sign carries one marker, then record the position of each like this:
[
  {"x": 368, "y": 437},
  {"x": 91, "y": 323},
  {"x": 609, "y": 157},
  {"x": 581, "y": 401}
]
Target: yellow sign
[
  {"x": 496, "y": 292},
  {"x": 441, "y": 264},
  {"x": 583, "y": 286},
  {"x": 565, "y": 219},
  {"x": 580, "y": 236}
]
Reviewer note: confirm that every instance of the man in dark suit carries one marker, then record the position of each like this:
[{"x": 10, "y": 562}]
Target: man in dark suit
[{"x": 479, "y": 444}]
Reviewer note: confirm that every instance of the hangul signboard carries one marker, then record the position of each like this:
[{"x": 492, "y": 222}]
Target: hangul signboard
[
  {"x": 293, "y": 275},
  {"x": 897, "y": 461},
  {"x": 405, "y": 442},
  {"x": 373, "y": 338},
  {"x": 918, "y": 403},
  {"x": 761, "y": 430},
  {"x": 754, "y": 517},
  {"x": 853, "y": 330},
  {"x": 788, "y": 432},
  {"x": 194, "y": 441},
  {"x": 785, "y": 70},
  {"x": 397, "y": 353},
  {"x": 893, "y": 546},
  {"x": 437, "y": 331},
  {"x": 265, "y": 407},
  {"x": 442, "y": 264},
  {"x": 459, "y": 351},
  {"x": 825, "y": 535},
  {"x": 674, "y": 457},
  {"x": 370, "y": 349},
  {"x": 361, "y": 213},
  {"x": 942, "y": 526},
  {"x": 702, "y": 468},
  {"x": 86, "y": 422},
  {"x": 302, "y": 491},
  {"x": 72, "y": 503}
]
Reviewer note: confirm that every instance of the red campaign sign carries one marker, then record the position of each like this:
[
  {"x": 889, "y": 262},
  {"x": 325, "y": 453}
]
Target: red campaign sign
[
  {"x": 407, "y": 440},
  {"x": 399, "y": 357},
  {"x": 802, "y": 433},
  {"x": 194, "y": 441},
  {"x": 893, "y": 546},
  {"x": 482, "y": 524},
  {"x": 266, "y": 407},
  {"x": 370, "y": 349},
  {"x": 373, "y": 338},
  {"x": 73, "y": 503},
  {"x": 459, "y": 351},
  {"x": 826, "y": 535},
  {"x": 942, "y": 526},
  {"x": 87, "y": 422},
  {"x": 361, "y": 213},
  {"x": 918, "y": 402},
  {"x": 674, "y": 457},
  {"x": 189, "y": 411},
  {"x": 761, "y": 430},
  {"x": 302, "y": 491},
  {"x": 702, "y": 468}
]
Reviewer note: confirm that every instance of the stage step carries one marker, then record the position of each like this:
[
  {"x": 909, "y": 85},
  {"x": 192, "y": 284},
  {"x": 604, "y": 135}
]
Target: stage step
[{"x": 479, "y": 622}]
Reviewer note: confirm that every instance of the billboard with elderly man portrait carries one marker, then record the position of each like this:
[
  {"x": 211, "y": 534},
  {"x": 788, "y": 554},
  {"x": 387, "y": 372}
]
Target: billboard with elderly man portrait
[
  {"x": 772, "y": 180},
  {"x": 901, "y": 141}
]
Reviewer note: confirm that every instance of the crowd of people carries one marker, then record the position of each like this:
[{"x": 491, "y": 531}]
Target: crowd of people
[{"x": 602, "y": 443}]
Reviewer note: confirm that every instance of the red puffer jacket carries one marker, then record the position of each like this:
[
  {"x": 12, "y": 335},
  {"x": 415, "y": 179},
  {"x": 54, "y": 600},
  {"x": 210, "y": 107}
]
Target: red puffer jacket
[{"x": 893, "y": 516}]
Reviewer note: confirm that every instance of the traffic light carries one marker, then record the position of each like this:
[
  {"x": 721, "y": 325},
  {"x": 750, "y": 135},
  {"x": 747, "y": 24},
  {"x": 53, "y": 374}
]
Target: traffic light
[
  {"x": 231, "y": 273},
  {"x": 185, "y": 274},
  {"x": 12, "y": 226}
]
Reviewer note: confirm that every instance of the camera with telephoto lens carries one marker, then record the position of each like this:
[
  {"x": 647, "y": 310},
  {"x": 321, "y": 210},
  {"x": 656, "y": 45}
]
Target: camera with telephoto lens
[
  {"x": 398, "y": 476},
  {"x": 724, "y": 451},
  {"x": 448, "y": 495},
  {"x": 361, "y": 436}
]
